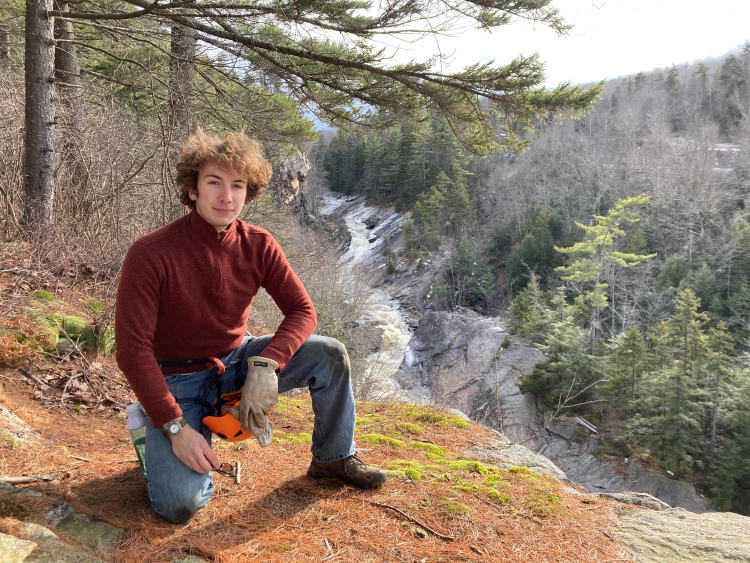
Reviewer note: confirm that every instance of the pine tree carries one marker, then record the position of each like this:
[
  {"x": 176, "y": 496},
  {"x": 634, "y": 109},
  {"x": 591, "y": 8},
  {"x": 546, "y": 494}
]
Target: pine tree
[
  {"x": 568, "y": 371},
  {"x": 625, "y": 368},
  {"x": 536, "y": 251},
  {"x": 585, "y": 274},
  {"x": 671, "y": 417},
  {"x": 730, "y": 478}
]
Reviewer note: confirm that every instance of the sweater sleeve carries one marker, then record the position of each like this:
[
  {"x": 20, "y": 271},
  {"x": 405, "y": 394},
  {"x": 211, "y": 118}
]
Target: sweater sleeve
[
  {"x": 290, "y": 296},
  {"x": 136, "y": 310}
]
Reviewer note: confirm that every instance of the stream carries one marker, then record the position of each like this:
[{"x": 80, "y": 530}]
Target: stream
[{"x": 382, "y": 310}]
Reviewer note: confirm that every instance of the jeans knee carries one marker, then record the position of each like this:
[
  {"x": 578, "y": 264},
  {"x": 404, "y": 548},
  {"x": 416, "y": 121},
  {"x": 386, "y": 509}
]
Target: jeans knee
[
  {"x": 337, "y": 351},
  {"x": 181, "y": 511}
]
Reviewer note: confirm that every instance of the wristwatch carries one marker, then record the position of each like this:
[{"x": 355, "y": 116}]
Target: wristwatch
[{"x": 173, "y": 428}]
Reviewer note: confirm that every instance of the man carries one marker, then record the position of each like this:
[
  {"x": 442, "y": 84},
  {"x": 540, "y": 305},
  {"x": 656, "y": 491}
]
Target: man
[{"x": 182, "y": 308}]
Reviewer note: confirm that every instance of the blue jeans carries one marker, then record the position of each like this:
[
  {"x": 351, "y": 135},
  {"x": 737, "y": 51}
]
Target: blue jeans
[{"x": 321, "y": 365}]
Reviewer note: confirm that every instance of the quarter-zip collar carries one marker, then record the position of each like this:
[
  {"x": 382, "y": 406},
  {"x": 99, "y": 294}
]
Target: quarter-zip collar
[{"x": 207, "y": 233}]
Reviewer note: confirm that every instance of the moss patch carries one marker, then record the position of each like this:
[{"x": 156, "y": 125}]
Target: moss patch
[
  {"x": 380, "y": 439},
  {"x": 9, "y": 509},
  {"x": 452, "y": 508},
  {"x": 411, "y": 427},
  {"x": 44, "y": 295},
  {"x": 544, "y": 503},
  {"x": 301, "y": 438},
  {"x": 432, "y": 451}
]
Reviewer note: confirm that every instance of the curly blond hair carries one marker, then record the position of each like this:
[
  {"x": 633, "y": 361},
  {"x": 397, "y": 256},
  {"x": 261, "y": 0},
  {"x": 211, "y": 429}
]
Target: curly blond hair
[{"x": 235, "y": 151}]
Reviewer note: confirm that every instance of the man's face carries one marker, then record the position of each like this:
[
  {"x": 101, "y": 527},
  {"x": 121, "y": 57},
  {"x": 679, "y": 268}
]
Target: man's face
[{"x": 220, "y": 195}]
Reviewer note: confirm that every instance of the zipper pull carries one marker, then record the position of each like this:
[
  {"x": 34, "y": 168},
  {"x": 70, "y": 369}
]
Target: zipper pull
[{"x": 218, "y": 236}]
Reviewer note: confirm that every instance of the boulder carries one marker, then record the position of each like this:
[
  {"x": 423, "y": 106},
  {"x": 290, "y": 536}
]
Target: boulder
[
  {"x": 14, "y": 550},
  {"x": 49, "y": 548},
  {"x": 676, "y": 535}
]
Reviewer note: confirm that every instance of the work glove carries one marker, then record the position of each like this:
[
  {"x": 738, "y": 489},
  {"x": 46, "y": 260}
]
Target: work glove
[{"x": 260, "y": 393}]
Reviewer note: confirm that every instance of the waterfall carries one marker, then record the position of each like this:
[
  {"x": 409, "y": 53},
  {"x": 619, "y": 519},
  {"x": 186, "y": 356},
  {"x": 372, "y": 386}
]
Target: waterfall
[{"x": 365, "y": 248}]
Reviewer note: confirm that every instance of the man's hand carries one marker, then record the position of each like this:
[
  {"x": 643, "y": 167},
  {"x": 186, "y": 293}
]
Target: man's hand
[
  {"x": 260, "y": 393},
  {"x": 192, "y": 449}
]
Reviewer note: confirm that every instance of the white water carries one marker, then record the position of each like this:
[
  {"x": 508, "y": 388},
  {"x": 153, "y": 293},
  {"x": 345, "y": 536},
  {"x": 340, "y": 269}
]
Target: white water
[{"x": 381, "y": 309}]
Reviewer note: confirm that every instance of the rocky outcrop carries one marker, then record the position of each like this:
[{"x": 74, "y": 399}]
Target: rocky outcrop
[
  {"x": 572, "y": 449},
  {"x": 15, "y": 430},
  {"x": 466, "y": 361},
  {"x": 502, "y": 453},
  {"x": 289, "y": 178},
  {"x": 676, "y": 536},
  {"x": 68, "y": 536}
]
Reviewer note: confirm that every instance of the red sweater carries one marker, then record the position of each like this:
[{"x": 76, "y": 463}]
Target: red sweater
[{"x": 185, "y": 292}]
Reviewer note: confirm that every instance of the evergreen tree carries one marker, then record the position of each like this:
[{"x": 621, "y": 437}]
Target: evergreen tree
[
  {"x": 566, "y": 377},
  {"x": 470, "y": 280},
  {"x": 703, "y": 284},
  {"x": 625, "y": 368},
  {"x": 585, "y": 275},
  {"x": 536, "y": 251},
  {"x": 671, "y": 418},
  {"x": 427, "y": 217},
  {"x": 675, "y": 110},
  {"x": 719, "y": 343},
  {"x": 730, "y": 478},
  {"x": 530, "y": 310}
]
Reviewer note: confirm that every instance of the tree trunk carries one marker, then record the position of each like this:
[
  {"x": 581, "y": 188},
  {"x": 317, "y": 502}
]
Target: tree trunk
[
  {"x": 4, "y": 44},
  {"x": 181, "y": 66},
  {"x": 70, "y": 110},
  {"x": 67, "y": 72},
  {"x": 714, "y": 422},
  {"x": 39, "y": 119}
]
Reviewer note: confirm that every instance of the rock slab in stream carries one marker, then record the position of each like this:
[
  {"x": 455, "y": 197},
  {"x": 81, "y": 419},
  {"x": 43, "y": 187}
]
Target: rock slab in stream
[
  {"x": 677, "y": 536},
  {"x": 469, "y": 362}
]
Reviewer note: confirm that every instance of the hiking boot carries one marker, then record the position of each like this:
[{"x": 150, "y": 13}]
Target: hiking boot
[{"x": 351, "y": 470}]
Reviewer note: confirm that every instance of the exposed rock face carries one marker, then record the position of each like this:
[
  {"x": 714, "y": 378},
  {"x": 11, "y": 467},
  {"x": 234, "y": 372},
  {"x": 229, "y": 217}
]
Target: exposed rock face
[
  {"x": 289, "y": 178},
  {"x": 677, "y": 535},
  {"x": 502, "y": 453},
  {"x": 570, "y": 448},
  {"x": 469, "y": 362}
]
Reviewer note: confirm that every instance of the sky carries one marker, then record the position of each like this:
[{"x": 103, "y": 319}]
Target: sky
[{"x": 610, "y": 38}]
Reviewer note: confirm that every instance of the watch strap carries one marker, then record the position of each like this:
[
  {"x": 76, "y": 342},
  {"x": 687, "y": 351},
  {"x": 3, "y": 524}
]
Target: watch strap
[{"x": 166, "y": 432}]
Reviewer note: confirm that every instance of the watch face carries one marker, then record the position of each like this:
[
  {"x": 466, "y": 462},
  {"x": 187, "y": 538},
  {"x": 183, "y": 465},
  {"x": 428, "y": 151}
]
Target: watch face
[{"x": 174, "y": 428}]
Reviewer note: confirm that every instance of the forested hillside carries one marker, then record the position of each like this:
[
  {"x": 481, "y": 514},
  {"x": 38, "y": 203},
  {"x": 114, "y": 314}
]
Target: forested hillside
[{"x": 623, "y": 239}]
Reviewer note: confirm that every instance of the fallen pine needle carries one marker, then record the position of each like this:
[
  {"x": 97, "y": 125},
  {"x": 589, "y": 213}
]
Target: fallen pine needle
[{"x": 413, "y": 520}]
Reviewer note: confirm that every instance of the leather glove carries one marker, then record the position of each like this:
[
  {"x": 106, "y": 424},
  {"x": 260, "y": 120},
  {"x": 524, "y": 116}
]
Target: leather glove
[{"x": 260, "y": 393}]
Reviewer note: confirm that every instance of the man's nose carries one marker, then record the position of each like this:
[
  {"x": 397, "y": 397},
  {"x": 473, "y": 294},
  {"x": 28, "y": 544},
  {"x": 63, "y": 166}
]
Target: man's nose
[{"x": 225, "y": 194}]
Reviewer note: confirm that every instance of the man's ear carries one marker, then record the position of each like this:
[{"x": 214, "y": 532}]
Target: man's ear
[{"x": 193, "y": 194}]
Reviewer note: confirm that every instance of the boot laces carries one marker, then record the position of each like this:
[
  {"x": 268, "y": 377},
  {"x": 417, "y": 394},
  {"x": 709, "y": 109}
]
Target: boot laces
[{"x": 354, "y": 460}]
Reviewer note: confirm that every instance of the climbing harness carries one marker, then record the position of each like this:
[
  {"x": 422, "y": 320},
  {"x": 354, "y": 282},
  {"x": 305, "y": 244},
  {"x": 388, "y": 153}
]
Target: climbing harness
[{"x": 215, "y": 414}]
